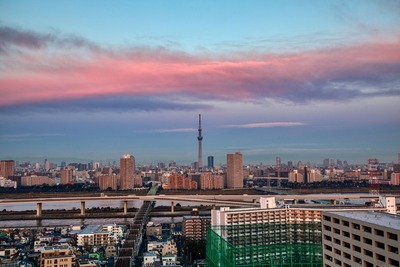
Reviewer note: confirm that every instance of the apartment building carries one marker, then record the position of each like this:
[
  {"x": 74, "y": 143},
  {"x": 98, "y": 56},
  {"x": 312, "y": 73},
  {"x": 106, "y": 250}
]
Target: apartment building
[
  {"x": 195, "y": 227},
  {"x": 57, "y": 256},
  {"x": 360, "y": 239}
]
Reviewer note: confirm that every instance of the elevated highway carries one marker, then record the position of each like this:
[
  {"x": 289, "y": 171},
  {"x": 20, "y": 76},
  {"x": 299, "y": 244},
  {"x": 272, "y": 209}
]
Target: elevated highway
[{"x": 227, "y": 200}]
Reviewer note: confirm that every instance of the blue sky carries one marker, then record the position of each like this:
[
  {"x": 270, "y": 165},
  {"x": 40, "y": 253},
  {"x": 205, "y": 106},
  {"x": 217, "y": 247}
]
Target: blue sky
[{"x": 303, "y": 80}]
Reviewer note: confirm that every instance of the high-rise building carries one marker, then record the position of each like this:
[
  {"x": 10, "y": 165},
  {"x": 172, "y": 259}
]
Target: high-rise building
[
  {"x": 66, "y": 176},
  {"x": 278, "y": 162},
  {"x": 234, "y": 170},
  {"x": 362, "y": 238},
  {"x": 200, "y": 151},
  {"x": 46, "y": 165},
  {"x": 210, "y": 162},
  {"x": 7, "y": 168},
  {"x": 194, "y": 227},
  {"x": 127, "y": 166}
]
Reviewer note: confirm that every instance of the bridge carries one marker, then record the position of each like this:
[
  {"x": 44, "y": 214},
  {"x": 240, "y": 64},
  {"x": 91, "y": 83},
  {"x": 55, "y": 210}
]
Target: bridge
[{"x": 227, "y": 200}]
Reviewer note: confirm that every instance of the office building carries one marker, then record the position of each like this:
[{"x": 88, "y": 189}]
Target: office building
[
  {"x": 66, "y": 176},
  {"x": 234, "y": 170},
  {"x": 210, "y": 162},
  {"x": 127, "y": 170},
  {"x": 7, "y": 168},
  {"x": 364, "y": 239}
]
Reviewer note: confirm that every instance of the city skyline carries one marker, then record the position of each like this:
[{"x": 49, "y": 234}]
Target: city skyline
[{"x": 302, "y": 80}]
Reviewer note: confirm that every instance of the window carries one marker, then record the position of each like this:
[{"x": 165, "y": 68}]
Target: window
[
  {"x": 378, "y": 232},
  {"x": 393, "y": 249},
  {"x": 367, "y": 241},
  {"x": 356, "y": 248},
  {"x": 337, "y": 251},
  {"x": 368, "y": 264},
  {"x": 336, "y": 220},
  {"x": 356, "y": 226},
  {"x": 367, "y": 229},
  {"x": 329, "y": 258},
  {"x": 338, "y": 262},
  {"x": 356, "y": 259},
  {"x": 379, "y": 245},
  {"x": 356, "y": 237},
  {"x": 380, "y": 257},
  {"x": 368, "y": 253},
  {"x": 346, "y": 223},
  {"x": 346, "y": 234},
  {"x": 328, "y": 228},
  {"x": 394, "y": 262},
  {"x": 392, "y": 236},
  {"x": 327, "y": 218},
  {"x": 327, "y": 237},
  {"x": 327, "y": 247},
  {"x": 346, "y": 245},
  {"x": 347, "y": 255},
  {"x": 337, "y": 241},
  {"x": 337, "y": 231}
]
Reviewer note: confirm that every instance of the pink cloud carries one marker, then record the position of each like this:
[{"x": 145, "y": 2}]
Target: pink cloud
[
  {"x": 265, "y": 125},
  {"x": 36, "y": 73}
]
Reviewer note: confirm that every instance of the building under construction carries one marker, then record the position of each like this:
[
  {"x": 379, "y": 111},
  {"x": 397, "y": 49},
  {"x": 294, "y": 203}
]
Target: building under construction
[
  {"x": 272, "y": 235},
  {"x": 265, "y": 244}
]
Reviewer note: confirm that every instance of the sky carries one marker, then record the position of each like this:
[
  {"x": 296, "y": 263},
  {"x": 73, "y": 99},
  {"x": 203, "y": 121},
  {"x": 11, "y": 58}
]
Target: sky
[{"x": 300, "y": 80}]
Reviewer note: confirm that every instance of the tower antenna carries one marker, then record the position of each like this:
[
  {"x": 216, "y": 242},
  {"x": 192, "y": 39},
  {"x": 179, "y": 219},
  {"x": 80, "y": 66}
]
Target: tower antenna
[{"x": 200, "y": 138}]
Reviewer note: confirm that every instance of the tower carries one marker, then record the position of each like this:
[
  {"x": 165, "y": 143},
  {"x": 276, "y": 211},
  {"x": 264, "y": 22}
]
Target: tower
[
  {"x": 200, "y": 138},
  {"x": 234, "y": 170},
  {"x": 66, "y": 176},
  {"x": 7, "y": 168},
  {"x": 127, "y": 170}
]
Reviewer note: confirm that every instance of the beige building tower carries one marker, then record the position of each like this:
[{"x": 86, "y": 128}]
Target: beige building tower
[
  {"x": 127, "y": 165},
  {"x": 7, "y": 168},
  {"x": 234, "y": 170},
  {"x": 66, "y": 176}
]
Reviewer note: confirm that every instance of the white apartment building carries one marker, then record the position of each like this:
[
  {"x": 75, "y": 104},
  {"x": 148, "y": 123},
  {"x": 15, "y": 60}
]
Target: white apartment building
[{"x": 268, "y": 212}]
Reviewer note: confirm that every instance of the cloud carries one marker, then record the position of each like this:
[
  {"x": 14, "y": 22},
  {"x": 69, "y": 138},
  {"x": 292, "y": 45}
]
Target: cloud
[
  {"x": 28, "y": 136},
  {"x": 265, "y": 125},
  {"x": 42, "y": 68},
  {"x": 103, "y": 104},
  {"x": 11, "y": 38}
]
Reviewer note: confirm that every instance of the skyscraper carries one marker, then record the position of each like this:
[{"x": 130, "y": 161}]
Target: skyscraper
[
  {"x": 127, "y": 166},
  {"x": 210, "y": 162},
  {"x": 200, "y": 138},
  {"x": 234, "y": 170},
  {"x": 7, "y": 168}
]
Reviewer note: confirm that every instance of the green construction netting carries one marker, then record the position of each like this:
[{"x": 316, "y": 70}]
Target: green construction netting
[{"x": 268, "y": 244}]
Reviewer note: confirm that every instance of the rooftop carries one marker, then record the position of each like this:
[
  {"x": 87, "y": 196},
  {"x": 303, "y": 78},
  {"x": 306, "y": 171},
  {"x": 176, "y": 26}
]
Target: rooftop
[{"x": 378, "y": 218}]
